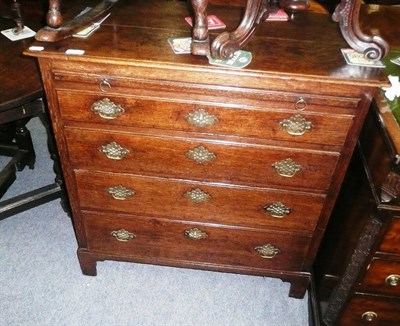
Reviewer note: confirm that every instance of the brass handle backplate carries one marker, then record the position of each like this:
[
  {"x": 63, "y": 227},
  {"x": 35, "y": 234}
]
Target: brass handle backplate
[
  {"x": 369, "y": 316},
  {"x": 195, "y": 234},
  {"x": 201, "y": 118},
  {"x": 277, "y": 209},
  {"x": 200, "y": 155},
  {"x": 267, "y": 251},
  {"x": 197, "y": 195},
  {"x": 296, "y": 125},
  {"x": 123, "y": 235},
  {"x": 392, "y": 280},
  {"x": 120, "y": 192},
  {"x": 287, "y": 168},
  {"x": 107, "y": 109},
  {"x": 114, "y": 151}
]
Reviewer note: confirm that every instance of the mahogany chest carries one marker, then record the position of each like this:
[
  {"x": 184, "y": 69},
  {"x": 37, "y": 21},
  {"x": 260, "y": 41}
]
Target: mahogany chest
[{"x": 171, "y": 160}]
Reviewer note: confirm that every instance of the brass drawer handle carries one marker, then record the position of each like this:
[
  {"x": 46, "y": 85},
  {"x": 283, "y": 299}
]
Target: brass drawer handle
[
  {"x": 195, "y": 234},
  {"x": 301, "y": 104},
  {"x": 392, "y": 280},
  {"x": 296, "y": 125},
  {"x": 123, "y": 235},
  {"x": 267, "y": 251},
  {"x": 200, "y": 155},
  {"x": 120, "y": 192},
  {"x": 104, "y": 85},
  {"x": 201, "y": 118},
  {"x": 107, "y": 109},
  {"x": 369, "y": 316},
  {"x": 114, "y": 151},
  {"x": 287, "y": 168},
  {"x": 197, "y": 195},
  {"x": 277, "y": 209}
]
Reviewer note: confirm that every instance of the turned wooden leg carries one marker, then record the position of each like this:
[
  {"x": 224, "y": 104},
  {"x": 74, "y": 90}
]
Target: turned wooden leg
[
  {"x": 347, "y": 15},
  {"x": 16, "y": 10},
  {"x": 59, "y": 179},
  {"x": 23, "y": 141},
  {"x": 200, "y": 39},
  {"x": 227, "y": 43}
]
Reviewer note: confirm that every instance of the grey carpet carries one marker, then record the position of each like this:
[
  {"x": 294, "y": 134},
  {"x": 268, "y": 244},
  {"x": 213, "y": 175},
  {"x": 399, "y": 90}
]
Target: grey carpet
[{"x": 41, "y": 282}]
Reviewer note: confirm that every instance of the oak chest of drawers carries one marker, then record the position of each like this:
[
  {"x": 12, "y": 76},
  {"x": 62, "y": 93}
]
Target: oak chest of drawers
[{"x": 170, "y": 160}]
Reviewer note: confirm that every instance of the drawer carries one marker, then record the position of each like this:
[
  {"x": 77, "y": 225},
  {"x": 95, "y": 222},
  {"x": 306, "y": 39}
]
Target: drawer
[
  {"x": 391, "y": 240},
  {"x": 152, "y": 238},
  {"x": 199, "y": 159},
  {"x": 274, "y": 121},
  {"x": 382, "y": 277},
  {"x": 200, "y": 201},
  {"x": 361, "y": 308}
]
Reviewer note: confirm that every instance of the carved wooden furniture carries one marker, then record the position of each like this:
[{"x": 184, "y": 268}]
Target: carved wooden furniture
[
  {"x": 227, "y": 43},
  {"x": 21, "y": 98},
  {"x": 357, "y": 270},
  {"x": 170, "y": 160}
]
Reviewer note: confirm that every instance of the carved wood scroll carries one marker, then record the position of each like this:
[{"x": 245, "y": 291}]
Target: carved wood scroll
[{"x": 347, "y": 15}]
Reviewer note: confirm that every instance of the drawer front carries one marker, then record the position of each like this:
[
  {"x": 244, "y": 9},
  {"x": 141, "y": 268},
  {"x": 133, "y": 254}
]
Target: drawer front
[
  {"x": 272, "y": 122},
  {"x": 391, "y": 240},
  {"x": 200, "y": 160},
  {"x": 200, "y": 201},
  {"x": 382, "y": 277},
  {"x": 368, "y": 310},
  {"x": 151, "y": 238}
]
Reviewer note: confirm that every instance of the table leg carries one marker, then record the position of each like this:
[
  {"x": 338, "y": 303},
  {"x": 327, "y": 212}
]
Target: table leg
[
  {"x": 227, "y": 43},
  {"x": 200, "y": 39},
  {"x": 347, "y": 15}
]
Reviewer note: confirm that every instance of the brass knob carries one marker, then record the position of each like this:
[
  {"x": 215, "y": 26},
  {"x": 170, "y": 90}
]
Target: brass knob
[
  {"x": 392, "y": 280},
  {"x": 197, "y": 195},
  {"x": 296, "y": 125},
  {"x": 287, "y": 168},
  {"x": 107, "y": 109},
  {"x": 369, "y": 315},
  {"x": 267, "y": 251},
  {"x": 195, "y": 234},
  {"x": 277, "y": 209},
  {"x": 200, "y": 155},
  {"x": 301, "y": 104},
  {"x": 114, "y": 151},
  {"x": 120, "y": 192},
  {"x": 123, "y": 235}
]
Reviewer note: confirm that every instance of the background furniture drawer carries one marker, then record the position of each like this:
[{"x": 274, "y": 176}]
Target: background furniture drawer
[
  {"x": 202, "y": 201},
  {"x": 166, "y": 239},
  {"x": 286, "y": 124},
  {"x": 391, "y": 240},
  {"x": 382, "y": 277},
  {"x": 201, "y": 160},
  {"x": 379, "y": 310}
]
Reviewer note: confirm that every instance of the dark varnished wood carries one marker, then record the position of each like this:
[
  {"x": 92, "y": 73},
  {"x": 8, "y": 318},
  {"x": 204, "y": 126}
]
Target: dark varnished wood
[
  {"x": 157, "y": 89},
  {"x": 372, "y": 46},
  {"x": 386, "y": 310},
  {"x": 227, "y": 204},
  {"x": 351, "y": 276},
  {"x": 58, "y": 28},
  {"x": 21, "y": 98}
]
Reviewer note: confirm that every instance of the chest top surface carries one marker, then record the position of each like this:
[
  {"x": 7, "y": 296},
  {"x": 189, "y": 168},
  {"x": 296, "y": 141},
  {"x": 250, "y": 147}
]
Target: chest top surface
[{"x": 306, "y": 48}]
